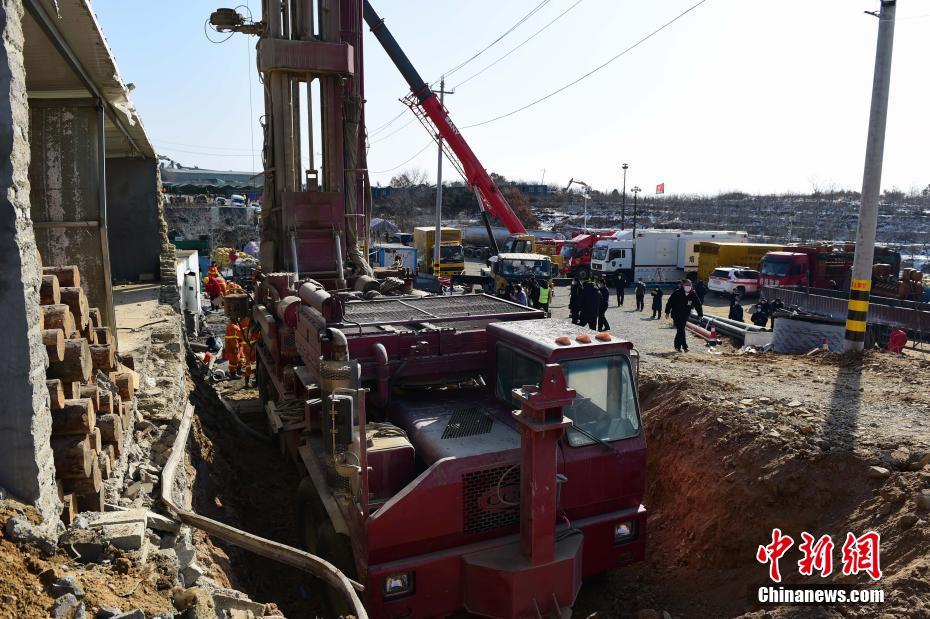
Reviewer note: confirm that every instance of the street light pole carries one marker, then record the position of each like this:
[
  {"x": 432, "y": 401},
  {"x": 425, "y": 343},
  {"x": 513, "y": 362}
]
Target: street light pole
[
  {"x": 860, "y": 285},
  {"x": 635, "y": 191},
  {"x": 437, "y": 259},
  {"x": 623, "y": 200}
]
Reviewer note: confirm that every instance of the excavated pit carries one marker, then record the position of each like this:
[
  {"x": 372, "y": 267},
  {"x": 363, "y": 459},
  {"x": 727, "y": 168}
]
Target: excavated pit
[
  {"x": 246, "y": 483},
  {"x": 716, "y": 487}
]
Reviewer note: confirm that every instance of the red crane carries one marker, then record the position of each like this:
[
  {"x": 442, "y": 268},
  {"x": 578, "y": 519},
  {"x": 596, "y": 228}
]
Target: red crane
[{"x": 425, "y": 104}]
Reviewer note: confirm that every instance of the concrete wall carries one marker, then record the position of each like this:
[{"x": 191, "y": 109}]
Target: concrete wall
[
  {"x": 27, "y": 467},
  {"x": 132, "y": 206},
  {"x": 64, "y": 174},
  {"x": 224, "y": 226}
]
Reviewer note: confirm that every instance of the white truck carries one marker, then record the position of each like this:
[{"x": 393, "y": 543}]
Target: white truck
[{"x": 654, "y": 255}]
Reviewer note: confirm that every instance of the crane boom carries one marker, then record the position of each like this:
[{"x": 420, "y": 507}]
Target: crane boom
[{"x": 426, "y": 105}]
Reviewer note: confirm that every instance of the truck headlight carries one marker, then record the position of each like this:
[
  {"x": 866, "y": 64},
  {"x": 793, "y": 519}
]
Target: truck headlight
[
  {"x": 398, "y": 585},
  {"x": 624, "y": 531}
]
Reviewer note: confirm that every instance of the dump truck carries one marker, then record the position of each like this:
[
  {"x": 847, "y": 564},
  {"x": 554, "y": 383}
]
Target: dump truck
[
  {"x": 712, "y": 255},
  {"x": 451, "y": 255},
  {"x": 655, "y": 255}
]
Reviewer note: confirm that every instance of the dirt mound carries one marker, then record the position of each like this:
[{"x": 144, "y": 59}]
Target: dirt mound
[{"x": 719, "y": 480}]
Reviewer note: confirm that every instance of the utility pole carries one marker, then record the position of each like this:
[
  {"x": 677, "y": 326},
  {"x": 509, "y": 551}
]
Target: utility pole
[
  {"x": 623, "y": 199},
  {"x": 436, "y": 241},
  {"x": 860, "y": 285}
]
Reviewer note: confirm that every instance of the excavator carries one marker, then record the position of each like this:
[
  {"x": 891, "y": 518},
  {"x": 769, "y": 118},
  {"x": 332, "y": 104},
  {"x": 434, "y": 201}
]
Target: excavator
[{"x": 458, "y": 453}]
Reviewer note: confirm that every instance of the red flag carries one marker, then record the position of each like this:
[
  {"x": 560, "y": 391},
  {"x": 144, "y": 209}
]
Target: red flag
[{"x": 660, "y": 188}]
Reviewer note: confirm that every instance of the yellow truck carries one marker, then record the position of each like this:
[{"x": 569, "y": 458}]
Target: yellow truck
[
  {"x": 713, "y": 255},
  {"x": 529, "y": 244},
  {"x": 451, "y": 255}
]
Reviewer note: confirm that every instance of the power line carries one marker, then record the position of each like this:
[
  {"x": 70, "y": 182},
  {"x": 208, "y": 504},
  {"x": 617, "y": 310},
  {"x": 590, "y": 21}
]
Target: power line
[
  {"x": 497, "y": 40},
  {"x": 591, "y": 72},
  {"x": 533, "y": 36},
  {"x": 400, "y": 165},
  {"x": 229, "y": 148},
  {"x": 204, "y": 154},
  {"x": 395, "y": 132},
  {"x": 387, "y": 124}
]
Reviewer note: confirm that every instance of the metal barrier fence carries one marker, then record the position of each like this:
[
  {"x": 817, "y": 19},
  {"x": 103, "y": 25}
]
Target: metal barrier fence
[{"x": 912, "y": 316}]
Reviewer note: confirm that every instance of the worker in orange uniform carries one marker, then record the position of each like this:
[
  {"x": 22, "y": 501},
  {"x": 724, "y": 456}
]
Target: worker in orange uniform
[
  {"x": 232, "y": 348},
  {"x": 250, "y": 339},
  {"x": 215, "y": 286}
]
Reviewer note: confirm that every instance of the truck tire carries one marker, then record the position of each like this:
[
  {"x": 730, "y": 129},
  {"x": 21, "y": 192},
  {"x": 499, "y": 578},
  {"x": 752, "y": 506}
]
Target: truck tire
[
  {"x": 480, "y": 253},
  {"x": 469, "y": 252},
  {"x": 336, "y": 549},
  {"x": 310, "y": 513}
]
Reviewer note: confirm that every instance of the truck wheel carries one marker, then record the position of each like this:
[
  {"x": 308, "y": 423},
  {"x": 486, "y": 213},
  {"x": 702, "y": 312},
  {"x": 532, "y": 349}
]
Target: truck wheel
[
  {"x": 583, "y": 274},
  {"x": 469, "y": 252},
  {"x": 310, "y": 513},
  {"x": 336, "y": 549},
  {"x": 480, "y": 253}
]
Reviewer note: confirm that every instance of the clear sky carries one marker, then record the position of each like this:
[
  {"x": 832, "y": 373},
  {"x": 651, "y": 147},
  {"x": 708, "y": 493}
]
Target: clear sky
[{"x": 752, "y": 95}]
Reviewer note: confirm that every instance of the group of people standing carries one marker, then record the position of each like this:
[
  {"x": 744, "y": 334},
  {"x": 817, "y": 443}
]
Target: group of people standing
[
  {"x": 532, "y": 293},
  {"x": 588, "y": 303}
]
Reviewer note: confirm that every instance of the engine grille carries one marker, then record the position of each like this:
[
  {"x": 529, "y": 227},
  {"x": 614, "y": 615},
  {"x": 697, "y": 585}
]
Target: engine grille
[
  {"x": 467, "y": 422},
  {"x": 429, "y": 309},
  {"x": 484, "y": 509}
]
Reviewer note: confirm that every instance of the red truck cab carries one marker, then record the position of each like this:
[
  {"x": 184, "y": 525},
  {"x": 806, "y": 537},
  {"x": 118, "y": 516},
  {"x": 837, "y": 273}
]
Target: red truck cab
[
  {"x": 784, "y": 268},
  {"x": 576, "y": 254}
]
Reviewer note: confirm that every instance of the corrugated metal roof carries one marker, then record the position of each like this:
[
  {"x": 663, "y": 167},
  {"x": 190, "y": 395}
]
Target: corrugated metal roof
[{"x": 48, "y": 74}]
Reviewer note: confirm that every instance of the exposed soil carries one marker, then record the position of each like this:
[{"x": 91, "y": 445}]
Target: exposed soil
[
  {"x": 247, "y": 484},
  {"x": 25, "y": 572},
  {"x": 719, "y": 482}
]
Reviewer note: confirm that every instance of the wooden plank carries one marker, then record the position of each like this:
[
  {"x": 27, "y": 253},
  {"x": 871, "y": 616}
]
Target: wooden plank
[
  {"x": 104, "y": 462},
  {"x": 49, "y": 291},
  {"x": 55, "y": 393},
  {"x": 95, "y": 320},
  {"x": 72, "y": 456},
  {"x": 92, "y": 484},
  {"x": 77, "y": 363},
  {"x": 58, "y": 316},
  {"x": 67, "y": 275},
  {"x": 75, "y": 417},
  {"x": 92, "y": 393},
  {"x": 75, "y": 299},
  {"x": 70, "y": 510},
  {"x": 54, "y": 341}
]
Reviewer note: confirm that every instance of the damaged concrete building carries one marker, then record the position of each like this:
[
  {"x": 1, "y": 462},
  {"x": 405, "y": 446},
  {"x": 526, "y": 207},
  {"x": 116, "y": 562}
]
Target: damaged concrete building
[{"x": 80, "y": 187}]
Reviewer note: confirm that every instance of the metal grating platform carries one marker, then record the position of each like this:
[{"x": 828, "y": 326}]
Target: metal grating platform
[
  {"x": 432, "y": 309},
  {"x": 467, "y": 422}
]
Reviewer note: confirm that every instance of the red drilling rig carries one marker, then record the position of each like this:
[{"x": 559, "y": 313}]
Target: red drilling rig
[{"x": 459, "y": 452}]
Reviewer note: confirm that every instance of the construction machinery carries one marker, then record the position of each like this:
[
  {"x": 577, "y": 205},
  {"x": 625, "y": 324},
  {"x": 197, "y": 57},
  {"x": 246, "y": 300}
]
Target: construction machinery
[
  {"x": 576, "y": 253},
  {"x": 447, "y": 442}
]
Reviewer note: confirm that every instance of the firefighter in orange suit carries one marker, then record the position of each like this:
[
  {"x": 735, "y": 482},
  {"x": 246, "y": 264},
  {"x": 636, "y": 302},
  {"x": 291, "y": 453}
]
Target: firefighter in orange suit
[
  {"x": 232, "y": 348},
  {"x": 250, "y": 339}
]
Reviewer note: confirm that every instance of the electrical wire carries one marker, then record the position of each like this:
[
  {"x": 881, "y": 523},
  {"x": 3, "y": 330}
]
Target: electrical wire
[
  {"x": 395, "y": 132},
  {"x": 589, "y": 73},
  {"x": 495, "y": 41},
  {"x": 387, "y": 124},
  {"x": 191, "y": 152},
  {"x": 533, "y": 36},
  {"x": 206, "y": 33},
  {"x": 400, "y": 165}
]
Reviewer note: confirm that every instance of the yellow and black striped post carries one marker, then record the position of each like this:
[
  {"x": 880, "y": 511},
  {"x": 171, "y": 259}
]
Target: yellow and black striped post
[{"x": 857, "y": 309}]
